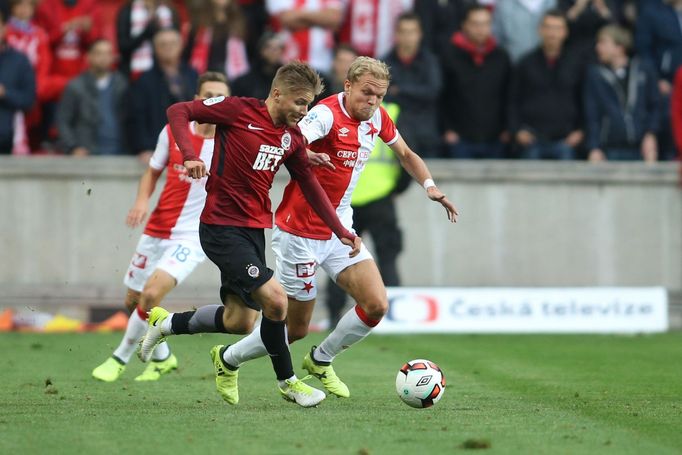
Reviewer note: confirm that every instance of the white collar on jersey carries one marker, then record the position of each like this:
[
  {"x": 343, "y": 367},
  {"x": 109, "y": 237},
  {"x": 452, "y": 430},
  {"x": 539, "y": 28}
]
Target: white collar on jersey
[{"x": 343, "y": 108}]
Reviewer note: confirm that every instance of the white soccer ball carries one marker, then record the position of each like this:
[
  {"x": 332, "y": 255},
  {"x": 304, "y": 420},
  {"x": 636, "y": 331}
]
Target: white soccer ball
[{"x": 420, "y": 383}]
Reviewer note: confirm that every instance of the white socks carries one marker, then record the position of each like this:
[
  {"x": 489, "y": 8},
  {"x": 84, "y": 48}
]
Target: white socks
[
  {"x": 348, "y": 331},
  {"x": 353, "y": 327},
  {"x": 135, "y": 330},
  {"x": 161, "y": 352},
  {"x": 248, "y": 348}
]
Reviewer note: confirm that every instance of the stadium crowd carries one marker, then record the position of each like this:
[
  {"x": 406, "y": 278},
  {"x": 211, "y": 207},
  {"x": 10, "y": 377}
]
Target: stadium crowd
[{"x": 534, "y": 79}]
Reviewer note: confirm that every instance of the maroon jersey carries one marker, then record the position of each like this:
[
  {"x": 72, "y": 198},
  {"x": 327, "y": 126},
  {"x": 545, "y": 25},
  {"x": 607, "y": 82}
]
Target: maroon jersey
[{"x": 249, "y": 149}]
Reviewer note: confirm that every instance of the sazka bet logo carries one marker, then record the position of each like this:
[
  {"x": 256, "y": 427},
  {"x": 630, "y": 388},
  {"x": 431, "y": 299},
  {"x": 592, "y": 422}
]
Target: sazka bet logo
[{"x": 268, "y": 158}]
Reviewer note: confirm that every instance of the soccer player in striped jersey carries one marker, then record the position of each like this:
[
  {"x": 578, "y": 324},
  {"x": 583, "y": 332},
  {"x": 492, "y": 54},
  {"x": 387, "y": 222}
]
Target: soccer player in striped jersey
[
  {"x": 341, "y": 131},
  {"x": 169, "y": 249}
]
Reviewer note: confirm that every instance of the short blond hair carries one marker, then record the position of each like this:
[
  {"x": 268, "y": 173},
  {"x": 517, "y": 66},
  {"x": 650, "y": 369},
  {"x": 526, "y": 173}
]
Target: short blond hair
[
  {"x": 368, "y": 65},
  {"x": 619, "y": 35},
  {"x": 297, "y": 77}
]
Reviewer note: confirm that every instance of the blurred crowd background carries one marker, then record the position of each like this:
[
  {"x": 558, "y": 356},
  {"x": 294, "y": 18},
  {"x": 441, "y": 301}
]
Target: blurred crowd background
[{"x": 504, "y": 79}]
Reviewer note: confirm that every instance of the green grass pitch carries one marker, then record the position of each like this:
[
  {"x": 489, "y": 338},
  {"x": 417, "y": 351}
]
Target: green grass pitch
[{"x": 505, "y": 394}]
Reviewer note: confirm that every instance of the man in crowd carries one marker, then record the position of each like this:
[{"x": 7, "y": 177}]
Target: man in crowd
[{"x": 91, "y": 114}]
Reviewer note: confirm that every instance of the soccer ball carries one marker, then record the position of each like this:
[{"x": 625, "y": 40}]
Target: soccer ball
[{"x": 420, "y": 383}]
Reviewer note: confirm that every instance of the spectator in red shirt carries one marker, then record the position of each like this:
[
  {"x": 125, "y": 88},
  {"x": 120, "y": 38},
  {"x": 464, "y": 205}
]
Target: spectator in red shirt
[{"x": 71, "y": 28}]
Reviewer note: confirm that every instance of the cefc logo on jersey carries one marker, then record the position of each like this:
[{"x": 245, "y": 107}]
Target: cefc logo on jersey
[{"x": 268, "y": 158}]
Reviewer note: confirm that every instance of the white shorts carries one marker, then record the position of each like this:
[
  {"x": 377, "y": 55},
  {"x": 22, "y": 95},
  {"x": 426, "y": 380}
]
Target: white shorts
[
  {"x": 177, "y": 257},
  {"x": 297, "y": 258}
]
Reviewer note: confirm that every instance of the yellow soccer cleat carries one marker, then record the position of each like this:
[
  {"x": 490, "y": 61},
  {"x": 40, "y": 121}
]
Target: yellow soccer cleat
[
  {"x": 154, "y": 334},
  {"x": 301, "y": 393},
  {"x": 225, "y": 378},
  {"x": 326, "y": 375},
  {"x": 158, "y": 368},
  {"x": 109, "y": 371}
]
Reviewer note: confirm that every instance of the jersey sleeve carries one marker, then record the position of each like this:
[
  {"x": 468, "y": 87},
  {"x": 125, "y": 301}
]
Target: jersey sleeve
[
  {"x": 317, "y": 124},
  {"x": 159, "y": 159},
  {"x": 219, "y": 110},
  {"x": 297, "y": 163},
  {"x": 389, "y": 133}
]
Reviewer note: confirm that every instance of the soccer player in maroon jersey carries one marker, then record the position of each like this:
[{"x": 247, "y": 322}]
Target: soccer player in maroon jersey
[
  {"x": 253, "y": 139},
  {"x": 342, "y": 131},
  {"x": 169, "y": 249}
]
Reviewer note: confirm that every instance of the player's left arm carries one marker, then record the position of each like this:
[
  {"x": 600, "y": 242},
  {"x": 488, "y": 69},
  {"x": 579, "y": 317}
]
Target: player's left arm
[
  {"x": 300, "y": 169},
  {"x": 416, "y": 167}
]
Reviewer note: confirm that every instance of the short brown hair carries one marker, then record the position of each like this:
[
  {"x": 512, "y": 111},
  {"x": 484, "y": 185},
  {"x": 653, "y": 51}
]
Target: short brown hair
[
  {"x": 297, "y": 76},
  {"x": 368, "y": 65},
  {"x": 211, "y": 76}
]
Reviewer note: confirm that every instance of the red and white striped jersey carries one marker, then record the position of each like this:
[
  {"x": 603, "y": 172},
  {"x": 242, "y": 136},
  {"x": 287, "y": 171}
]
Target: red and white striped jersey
[
  {"x": 330, "y": 129},
  {"x": 314, "y": 45},
  {"x": 176, "y": 215}
]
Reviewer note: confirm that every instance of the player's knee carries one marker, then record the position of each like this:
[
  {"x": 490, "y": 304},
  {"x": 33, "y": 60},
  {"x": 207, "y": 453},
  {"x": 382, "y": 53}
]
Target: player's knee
[
  {"x": 239, "y": 326},
  {"x": 132, "y": 300},
  {"x": 275, "y": 305},
  {"x": 376, "y": 307},
  {"x": 149, "y": 298},
  {"x": 296, "y": 332}
]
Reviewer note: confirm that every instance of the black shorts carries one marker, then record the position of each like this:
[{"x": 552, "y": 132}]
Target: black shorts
[{"x": 239, "y": 253}]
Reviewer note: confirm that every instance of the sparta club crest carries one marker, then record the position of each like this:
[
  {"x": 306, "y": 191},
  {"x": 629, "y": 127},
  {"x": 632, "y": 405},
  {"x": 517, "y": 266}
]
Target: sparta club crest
[
  {"x": 286, "y": 141},
  {"x": 253, "y": 271}
]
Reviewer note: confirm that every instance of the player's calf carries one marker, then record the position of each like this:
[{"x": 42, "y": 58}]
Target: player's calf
[{"x": 296, "y": 332}]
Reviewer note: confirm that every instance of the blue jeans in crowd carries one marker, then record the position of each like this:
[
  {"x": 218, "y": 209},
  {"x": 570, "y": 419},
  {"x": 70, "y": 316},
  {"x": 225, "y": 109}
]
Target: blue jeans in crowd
[
  {"x": 623, "y": 154},
  {"x": 558, "y": 150},
  {"x": 475, "y": 150}
]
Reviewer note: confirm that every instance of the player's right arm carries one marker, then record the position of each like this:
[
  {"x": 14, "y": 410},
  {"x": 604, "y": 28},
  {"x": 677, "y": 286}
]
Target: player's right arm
[
  {"x": 138, "y": 212},
  {"x": 219, "y": 110}
]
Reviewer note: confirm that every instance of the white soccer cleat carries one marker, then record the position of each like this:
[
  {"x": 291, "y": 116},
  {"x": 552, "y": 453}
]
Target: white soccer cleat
[
  {"x": 301, "y": 393},
  {"x": 154, "y": 335}
]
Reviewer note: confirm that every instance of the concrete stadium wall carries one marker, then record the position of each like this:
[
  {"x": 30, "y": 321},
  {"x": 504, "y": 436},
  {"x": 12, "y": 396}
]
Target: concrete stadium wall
[{"x": 62, "y": 230}]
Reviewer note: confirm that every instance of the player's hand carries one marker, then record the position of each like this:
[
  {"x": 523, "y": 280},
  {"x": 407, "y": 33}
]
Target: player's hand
[
  {"x": 320, "y": 159},
  {"x": 196, "y": 169},
  {"x": 436, "y": 195},
  {"x": 354, "y": 244},
  {"x": 137, "y": 214}
]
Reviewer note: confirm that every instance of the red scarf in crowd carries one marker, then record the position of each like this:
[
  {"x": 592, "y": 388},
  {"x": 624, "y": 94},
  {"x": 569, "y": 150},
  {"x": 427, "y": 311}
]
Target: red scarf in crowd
[
  {"x": 478, "y": 53},
  {"x": 236, "y": 63}
]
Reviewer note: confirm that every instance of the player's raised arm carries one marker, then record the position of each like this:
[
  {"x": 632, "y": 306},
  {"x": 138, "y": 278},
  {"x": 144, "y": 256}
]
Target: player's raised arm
[
  {"x": 416, "y": 167},
  {"x": 212, "y": 110}
]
